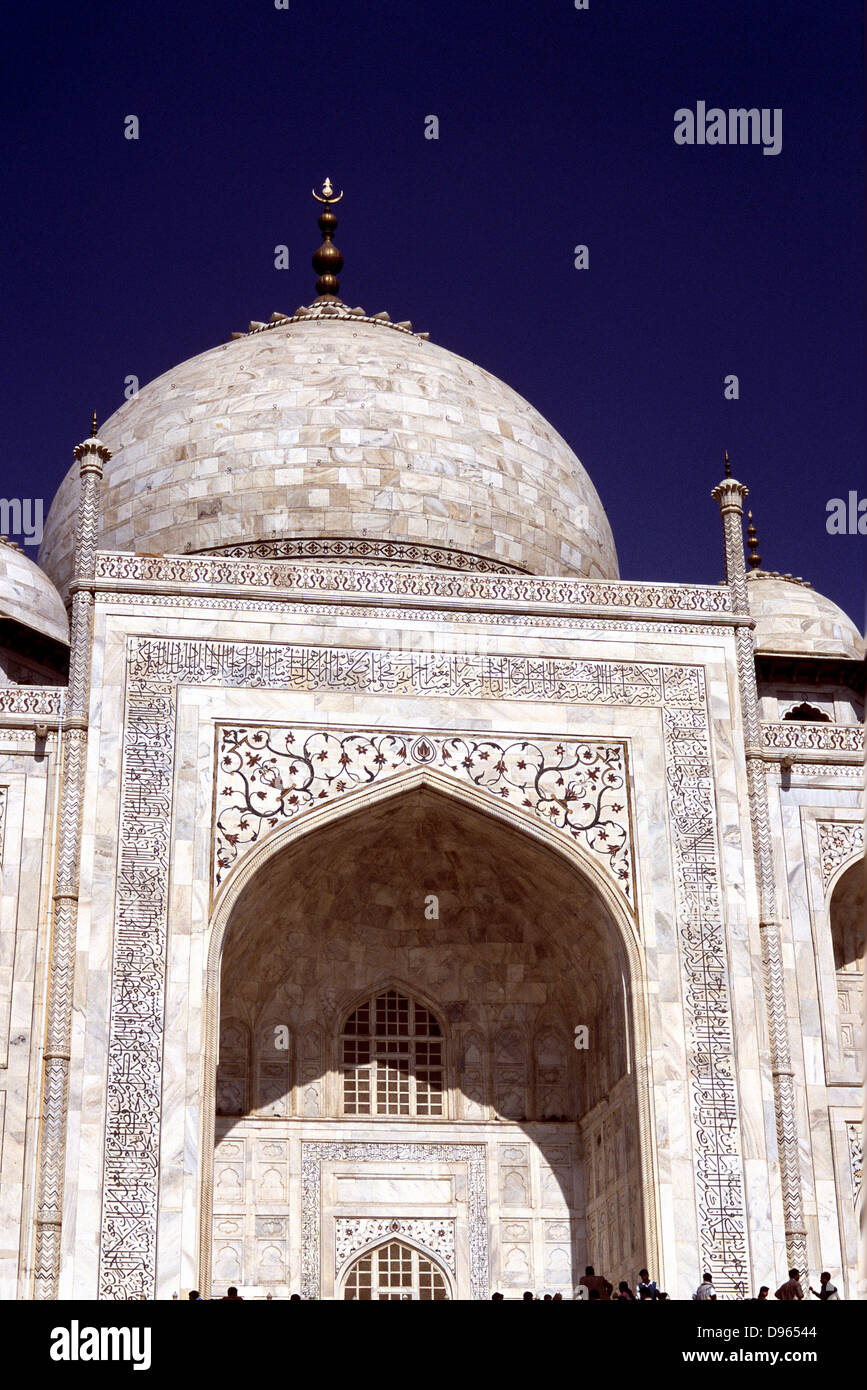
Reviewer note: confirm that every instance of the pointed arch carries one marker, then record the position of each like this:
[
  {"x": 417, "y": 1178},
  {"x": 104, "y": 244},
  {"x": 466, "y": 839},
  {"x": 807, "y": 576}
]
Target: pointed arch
[
  {"x": 404, "y": 1242},
  {"x": 550, "y": 841}
]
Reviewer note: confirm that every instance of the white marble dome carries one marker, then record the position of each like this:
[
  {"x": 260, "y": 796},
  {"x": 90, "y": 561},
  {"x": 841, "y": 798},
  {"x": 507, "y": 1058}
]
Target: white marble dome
[
  {"x": 793, "y": 620},
  {"x": 346, "y": 437},
  {"x": 27, "y": 596}
]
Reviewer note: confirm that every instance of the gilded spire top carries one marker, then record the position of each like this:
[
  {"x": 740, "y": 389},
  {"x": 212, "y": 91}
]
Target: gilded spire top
[
  {"x": 754, "y": 559},
  {"x": 327, "y": 261},
  {"x": 327, "y": 193},
  {"x": 728, "y": 465},
  {"x": 93, "y": 426}
]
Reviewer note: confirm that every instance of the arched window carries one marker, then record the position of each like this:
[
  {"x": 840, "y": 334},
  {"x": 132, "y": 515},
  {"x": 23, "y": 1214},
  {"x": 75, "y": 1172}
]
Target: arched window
[
  {"x": 395, "y": 1272},
  {"x": 807, "y": 714},
  {"x": 391, "y": 1053}
]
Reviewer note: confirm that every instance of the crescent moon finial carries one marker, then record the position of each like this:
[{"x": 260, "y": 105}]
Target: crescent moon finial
[{"x": 328, "y": 193}]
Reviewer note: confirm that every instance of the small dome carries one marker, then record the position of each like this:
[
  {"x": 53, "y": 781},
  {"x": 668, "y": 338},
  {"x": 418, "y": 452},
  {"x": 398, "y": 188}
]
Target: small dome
[
  {"x": 793, "y": 620},
  {"x": 342, "y": 437},
  {"x": 27, "y": 596}
]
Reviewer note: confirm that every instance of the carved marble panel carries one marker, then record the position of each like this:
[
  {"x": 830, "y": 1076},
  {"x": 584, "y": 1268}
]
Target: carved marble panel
[
  {"x": 352, "y": 1234},
  {"x": 267, "y": 775},
  {"x": 838, "y": 841},
  {"x": 473, "y": 1155}
]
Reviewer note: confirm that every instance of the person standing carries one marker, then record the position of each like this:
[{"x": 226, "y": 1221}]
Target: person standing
[
  {"x": 646, "y": 1287},
  {"x": 705, "y": 1289},
  {"x": 791, "y": 1290},
  {"x": 592, "y": 1281},
  {"x": 827, "y": 1290}
]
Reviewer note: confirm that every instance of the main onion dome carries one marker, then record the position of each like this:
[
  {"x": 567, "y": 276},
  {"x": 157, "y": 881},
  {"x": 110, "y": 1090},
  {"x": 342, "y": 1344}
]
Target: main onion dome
[
  {"x": 28, "y": 598},
  {"x": 335, "y": 435},
  {"x": 332, "y": 434},
  {"x": 793, "y": 620}
]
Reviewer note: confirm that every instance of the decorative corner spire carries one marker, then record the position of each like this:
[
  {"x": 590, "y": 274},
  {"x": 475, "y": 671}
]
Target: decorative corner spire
[
  {"x": 728, "y": 472},
  {"x": 93, "y": 426},
  {"x": 754, "y": 559},
  {"x": 327, "y": 261}
]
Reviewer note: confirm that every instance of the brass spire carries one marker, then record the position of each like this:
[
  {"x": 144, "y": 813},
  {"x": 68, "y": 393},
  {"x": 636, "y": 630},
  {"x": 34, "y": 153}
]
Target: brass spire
[
  {"x": 327, "y": 261},
  {"x": 728, "y": 465},
  {"x": 93, "y": 426},
  {"x": 754, "y": 559}
]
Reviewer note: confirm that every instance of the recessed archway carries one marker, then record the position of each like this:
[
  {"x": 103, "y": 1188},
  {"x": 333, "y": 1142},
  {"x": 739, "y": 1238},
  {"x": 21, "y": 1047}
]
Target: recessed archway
[
  {"x": 502, "y": 936},
  {"x": 847, "y": 922}
]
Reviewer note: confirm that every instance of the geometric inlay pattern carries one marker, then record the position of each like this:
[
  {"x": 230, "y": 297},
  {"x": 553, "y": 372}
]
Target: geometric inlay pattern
[
  {"x": 155, "y": 669},
  {"x": 267, "y": 775}
]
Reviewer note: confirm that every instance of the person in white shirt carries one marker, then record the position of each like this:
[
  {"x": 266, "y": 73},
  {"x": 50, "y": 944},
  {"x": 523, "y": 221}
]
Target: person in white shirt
[
  {"x": 705, "y": 1288},
  {"x": 827, "y": 1290}
]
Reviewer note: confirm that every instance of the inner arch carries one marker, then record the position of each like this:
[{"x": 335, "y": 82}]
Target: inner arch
[{"x": 511, "y": 949}]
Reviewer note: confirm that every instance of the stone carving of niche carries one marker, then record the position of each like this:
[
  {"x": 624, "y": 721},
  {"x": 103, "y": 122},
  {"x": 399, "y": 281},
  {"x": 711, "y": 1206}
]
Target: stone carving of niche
[
  {"x": 516, "y": 1255},
  {"x": 233, "y": 1070},
  {"x": 273, "y": 1070},
  {"x": 510, "y": 1073},
  {"x": 514, "y": 1166},
  {"x": 311, "y": 1071},
  {"x": 552, "y": 1067},
  {"x": 472, "y": 1054}
]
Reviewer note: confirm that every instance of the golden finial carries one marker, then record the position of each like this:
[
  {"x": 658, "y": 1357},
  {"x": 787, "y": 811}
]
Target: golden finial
[
  {"x": 93, "y": 426},
  {"x": 328, "y": 193},
  {"x": 754, "y": 559},
  {"x": 327, "y": 261},
  {"x": 728, "y": 465}
]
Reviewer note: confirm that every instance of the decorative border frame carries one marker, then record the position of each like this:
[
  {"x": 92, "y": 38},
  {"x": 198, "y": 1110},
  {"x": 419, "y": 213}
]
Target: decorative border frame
[
  {"x": 291, "y": 576},
  {"x": 155, "y": 668},
  {"x": 313, "y": 1154}
]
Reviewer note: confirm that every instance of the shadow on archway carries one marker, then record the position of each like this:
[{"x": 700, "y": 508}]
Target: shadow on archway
[{"x": 407, "y": 982}]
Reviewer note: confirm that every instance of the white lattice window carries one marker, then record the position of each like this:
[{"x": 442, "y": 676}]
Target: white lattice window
[
  {"x": 395, "y": 1272},
  {"x": 392, "y": 1058}
]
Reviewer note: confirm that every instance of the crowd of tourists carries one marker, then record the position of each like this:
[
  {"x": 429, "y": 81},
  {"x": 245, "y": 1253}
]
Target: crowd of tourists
[{"x": 597, "y": 1289}]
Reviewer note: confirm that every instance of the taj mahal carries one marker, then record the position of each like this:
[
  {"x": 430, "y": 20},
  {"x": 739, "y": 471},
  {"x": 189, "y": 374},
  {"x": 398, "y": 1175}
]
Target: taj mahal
[{"x": 395, "y": 902}]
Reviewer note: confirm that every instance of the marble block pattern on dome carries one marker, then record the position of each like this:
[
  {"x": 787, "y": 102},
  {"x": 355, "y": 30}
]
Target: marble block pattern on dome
[
  {"x": 792, "y": 619},
  {"x": 28, "y": 596},
  {"x": 338, "y": 428}
]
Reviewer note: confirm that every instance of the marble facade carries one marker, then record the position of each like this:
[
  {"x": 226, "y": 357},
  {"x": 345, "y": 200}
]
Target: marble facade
[{"x": 646, "y": 694}]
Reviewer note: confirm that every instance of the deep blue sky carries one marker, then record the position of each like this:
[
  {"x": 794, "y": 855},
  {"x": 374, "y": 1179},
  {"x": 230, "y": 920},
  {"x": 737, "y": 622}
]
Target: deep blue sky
[{"x": 556, "y": 128}]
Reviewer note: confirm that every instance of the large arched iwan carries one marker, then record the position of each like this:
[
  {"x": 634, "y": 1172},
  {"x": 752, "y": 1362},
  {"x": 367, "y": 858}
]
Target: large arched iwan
[{"x": 513, "y": 941}]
